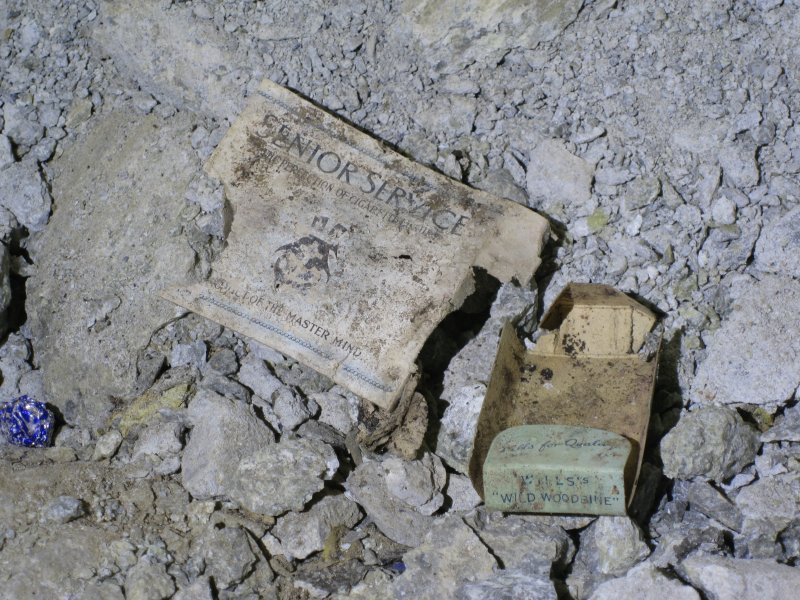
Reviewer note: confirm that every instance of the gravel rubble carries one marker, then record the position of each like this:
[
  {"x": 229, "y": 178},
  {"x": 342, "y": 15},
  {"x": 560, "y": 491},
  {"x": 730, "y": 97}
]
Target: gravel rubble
[{"x": 662, "y": 142}]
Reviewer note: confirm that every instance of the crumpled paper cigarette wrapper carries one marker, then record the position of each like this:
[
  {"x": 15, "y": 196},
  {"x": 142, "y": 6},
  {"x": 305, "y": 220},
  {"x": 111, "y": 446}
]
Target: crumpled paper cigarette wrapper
[{"x": 343, "y": 254}]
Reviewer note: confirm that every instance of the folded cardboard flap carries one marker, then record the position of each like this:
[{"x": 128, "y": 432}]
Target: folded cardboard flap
[
  {"x": 584, "y": 371},
  {"x": 594, "y": 320}
]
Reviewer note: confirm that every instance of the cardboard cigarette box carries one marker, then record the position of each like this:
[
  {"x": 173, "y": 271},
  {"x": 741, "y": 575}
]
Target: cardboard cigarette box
[{"x": 563, "y": 425}]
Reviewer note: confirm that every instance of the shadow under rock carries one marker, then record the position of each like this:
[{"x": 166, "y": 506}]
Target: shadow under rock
[
  {"x": 664, "y": 413},
  {"x": 15, "y": 315},
  {"x": 550, "y": 263},
  {"x": 451, "y": 335}
]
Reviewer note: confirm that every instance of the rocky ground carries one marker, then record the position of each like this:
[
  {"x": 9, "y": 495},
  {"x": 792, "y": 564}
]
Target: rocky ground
[{"x": 662, "y": 140}]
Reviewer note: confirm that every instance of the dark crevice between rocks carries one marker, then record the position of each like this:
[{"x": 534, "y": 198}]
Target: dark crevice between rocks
[
  {"x": 259, "y": 412},
  {"x": 561, "y": 570},
  {"x": 758, "y": 418},
  {"x": 258, "y": 543},
  {"x": 673, "y": 573},
  {"x": 212, "y": 584},
  {"x": 550, "y": 262},
  {"x": 15, "y": 315},
  {"x": 451, "y": 335},
  {"x": 665, "y": 409}
]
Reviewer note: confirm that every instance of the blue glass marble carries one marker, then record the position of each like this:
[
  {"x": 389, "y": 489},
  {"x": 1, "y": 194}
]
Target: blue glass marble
[
  {"x": 398, "y": 566},
  {"x": 26, "y": 422}
]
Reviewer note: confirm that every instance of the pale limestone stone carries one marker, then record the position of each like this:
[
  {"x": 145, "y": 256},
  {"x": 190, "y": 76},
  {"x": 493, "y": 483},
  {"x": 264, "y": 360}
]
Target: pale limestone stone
[
  {"x": 303, "y": 533},
  {"x": 115, "y": 240},
  {"x": 644, "y": 581},
  {"x": 450, "y": 556},
  {"x": 710, "y": 441},
  {"x": 555, "y": 175},
  {"x": 724, "y": 578},
  {"x": 399, "y": 495},
  {"x": 754, "y": 358}
]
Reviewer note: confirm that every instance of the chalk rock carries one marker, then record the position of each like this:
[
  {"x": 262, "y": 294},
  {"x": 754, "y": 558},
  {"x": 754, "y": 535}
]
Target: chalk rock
[
  {"x": 399, "y": 495},
  {"x": 754, "y": 358},
  {"x": 115, "y": 237},
  {"x": 319, "y": 582},
  {"x": 229, "y": 555},
  {"x": 501, "y": 183},
  {"x": 25, "y": 195},
  {"x": 54, "y": 563},
  {"x": 159, "y": 439},
  {"x": 105, "y": 590},
  {"x": 200, "y": 589},
  {"x": 786, "y": 427},
  {"x": 778, "y": 246},
  {"x": 698, "y": 136},
  {"x": 545, "y": 542},
  {"x": 644, "y": 581},
  {"x": 14, "y": 355},
  {"x": 206, "y": 192},
  {"x": 193, "y": 354},
  {"x": 223, "y": 361},
  {"x": 290, "y": 408},
  {"x": 302, "y": 534},
  {"x": 338, "y": 408},
  {"x": 739, "y": 166},
  {"x": 283, "y": 476},
  {"x": 681, "y": 532},
  {"x": 21, "y": 126},
  {"x": 723, "y": 211},
  {"x": 64, "y": 509},
  {"x": 107, "y": 445},
  {"x": 232, "y": 454},
  {"x": 723, "y": 578},
  {"x": 224, "y": 432},
  {"x": 5, "y": 284},
  {"x": 181, "y": 58},
  {"x": 705, "y": 498},
  {"x": 462, "y": 493},
  {"x": 608, "y": 548},
  {"x": 6, "y": 153},
  {"x": 511, "y": 584},
  {"x": 290, "y": 22},
  {"x": 710, "y": 441},
  {"x": 468, "y": 373},
  {"x": 451, "y": 113},
  {"x": 613, "y": 545},
  {"x": 450, "y": 556},
  {"x": 254, "y": 373},
  {"x": 640, "y": 193},
  {"x": 469, "y": 30},
  {"x": 556, "y": 176},
  {"x": 376, "y": 584},
  {"x": 770, "y": 504},
  {"x": 148, "y": 581}
]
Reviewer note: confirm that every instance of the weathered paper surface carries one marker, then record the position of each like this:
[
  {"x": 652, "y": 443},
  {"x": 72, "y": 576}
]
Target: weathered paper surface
[
  {"x": 343, "y": 254},
  {"x": 585, "y": 371}
]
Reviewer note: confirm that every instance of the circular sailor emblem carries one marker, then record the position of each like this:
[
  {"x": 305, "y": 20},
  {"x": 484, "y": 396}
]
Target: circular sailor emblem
[{"x": 304, "y": 263}]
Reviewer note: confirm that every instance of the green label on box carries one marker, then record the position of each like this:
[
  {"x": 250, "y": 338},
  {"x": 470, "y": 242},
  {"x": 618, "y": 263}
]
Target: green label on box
[{"x": 556, "y": 469}]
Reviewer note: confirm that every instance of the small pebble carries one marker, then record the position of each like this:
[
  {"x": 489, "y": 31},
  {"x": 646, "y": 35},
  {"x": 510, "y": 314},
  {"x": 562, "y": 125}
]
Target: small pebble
[
  {"x": 64, "y": 509},
  {"x": 107, "y": 445}
]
